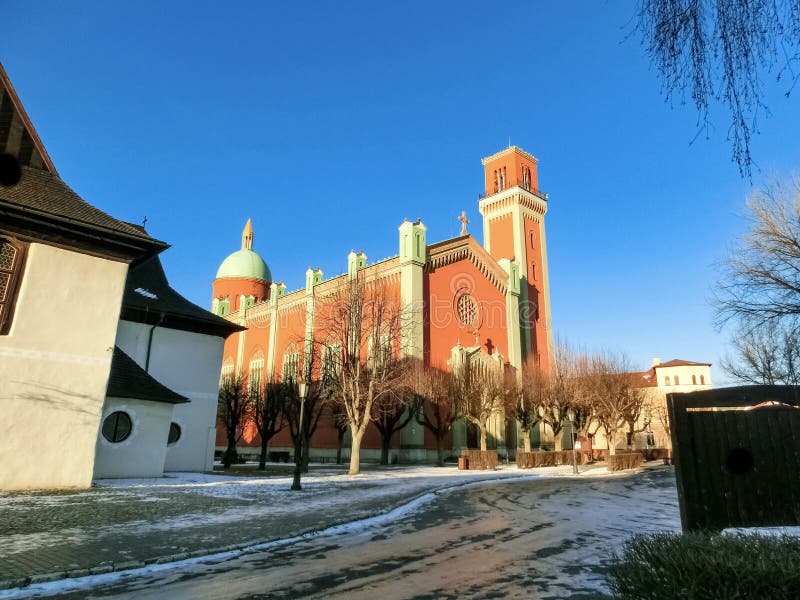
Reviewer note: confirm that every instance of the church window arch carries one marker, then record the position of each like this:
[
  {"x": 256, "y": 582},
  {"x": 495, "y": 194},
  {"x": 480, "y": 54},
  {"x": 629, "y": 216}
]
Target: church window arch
[
  {"x": 227, "y": 369},
  {"x": 12, "y": 255},
  {"x": 677, "y": 380},
  {"x": 291, "y": 363},
  {"x": 666, "y": 380},
  {"x": 694, "y": 379},
  {"x": 702, "y": 379},
  {"x": 255, "y": 371}
]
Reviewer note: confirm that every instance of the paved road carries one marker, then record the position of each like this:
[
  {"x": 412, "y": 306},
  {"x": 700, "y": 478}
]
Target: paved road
[{"x": 526, "y": 539}]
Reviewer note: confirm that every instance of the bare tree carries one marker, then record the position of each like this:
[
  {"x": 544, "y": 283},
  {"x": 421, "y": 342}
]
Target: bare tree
[
  {"x": 482, "y": 394},
  {"x": 616, "y": 397},
  {"x": 390, "y": 413},
  {"x": 339, "y": 417},
  {"x": 268, "y": 415},
  {"x": 769, "y": 354},
  {"x": 559, "y": 401},
  {"x": 301, "y": 433},
  {"x": 233, "y": 411},
  {"x": 761, "y": 277},
  {"x": 436, "y": 396},
  {"x": 533, "y": 392},
  {"x": 718, "y": 51},
  {"x": 656, "y": 406},
  {"x": 583, "y": 412},
  {"x": 361, "y": 324}
]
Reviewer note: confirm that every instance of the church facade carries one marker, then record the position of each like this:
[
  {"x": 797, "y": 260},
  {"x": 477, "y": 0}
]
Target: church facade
[{"x": 467, "y": 301}]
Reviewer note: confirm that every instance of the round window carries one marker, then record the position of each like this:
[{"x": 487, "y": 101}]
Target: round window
[
  {"x": 174, "y": 433},
  {"x": 117, "y": 427}
]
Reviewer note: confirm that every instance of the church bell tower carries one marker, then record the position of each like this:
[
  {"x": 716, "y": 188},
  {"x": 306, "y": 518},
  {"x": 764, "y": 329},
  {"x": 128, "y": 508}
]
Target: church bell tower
[{"x": 513, "y": 212}]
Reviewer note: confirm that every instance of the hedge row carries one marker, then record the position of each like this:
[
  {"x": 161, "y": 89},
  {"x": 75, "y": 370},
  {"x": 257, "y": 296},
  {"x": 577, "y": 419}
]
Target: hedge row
[
  {"x": 529, "y": 460},
  {"x": 480, "y": 459},
  {"x": 620, "y": 462},
  {"x": 707, "y": 566}
]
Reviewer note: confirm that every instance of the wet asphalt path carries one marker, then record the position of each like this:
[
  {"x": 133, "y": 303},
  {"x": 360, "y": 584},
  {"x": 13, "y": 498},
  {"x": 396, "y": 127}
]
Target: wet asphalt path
[{"x": 525, "y": 539}]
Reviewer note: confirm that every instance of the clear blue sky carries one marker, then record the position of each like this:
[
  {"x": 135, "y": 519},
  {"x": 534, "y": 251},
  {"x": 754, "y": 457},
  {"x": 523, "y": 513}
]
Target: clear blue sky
[{"x": 330, "y": 122}]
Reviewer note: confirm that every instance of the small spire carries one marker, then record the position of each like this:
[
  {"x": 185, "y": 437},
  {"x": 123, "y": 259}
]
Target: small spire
[{"x": 247, "y": 236}]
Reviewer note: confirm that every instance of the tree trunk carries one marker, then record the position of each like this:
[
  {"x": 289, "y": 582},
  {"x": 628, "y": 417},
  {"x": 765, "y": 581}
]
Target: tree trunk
[
  {"x": 339, "y": 442},
  {"x": 558, "y": 440},
  {"x": 439, "y": 451},
  {"x": 229, "y": 456},
  {"x": 355, "y": 455},
  {"x": 526, "y": 436},
  {"x": 298, "y": 456},
  {"x": 483, "y": 438},
  {"x": 385, "y": 443},
  {"x": 262, "y": 459},
  {"x": 612, "y": 446},
  {"x": 306, "y": 455}
]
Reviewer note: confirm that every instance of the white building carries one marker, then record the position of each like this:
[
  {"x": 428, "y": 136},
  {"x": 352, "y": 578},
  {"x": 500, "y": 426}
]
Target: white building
[
  {"x": 63, "y": 271},
  {"x": 180, "y": 345}
]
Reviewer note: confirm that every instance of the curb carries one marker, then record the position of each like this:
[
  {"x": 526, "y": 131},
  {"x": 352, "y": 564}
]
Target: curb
[{"x": 248, "y": 547}]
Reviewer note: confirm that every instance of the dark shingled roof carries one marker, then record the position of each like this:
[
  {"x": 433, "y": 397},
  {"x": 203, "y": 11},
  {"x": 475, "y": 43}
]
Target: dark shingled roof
[
  {"x": 150, "y": 299},
  {"x": 129, "y": 380},
  {"x": 46, "y": 194}
]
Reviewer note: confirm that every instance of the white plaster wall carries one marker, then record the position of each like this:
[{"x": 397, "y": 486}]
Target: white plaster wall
[
  {"x": 142, "y": 453},
  {"x": 189, "y": 364},
  {"x": 684, "y": 374},
  {"x": 54, "y": 367}
]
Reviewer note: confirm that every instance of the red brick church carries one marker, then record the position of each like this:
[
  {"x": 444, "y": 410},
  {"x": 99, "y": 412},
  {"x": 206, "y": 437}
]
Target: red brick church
[{"x": 472, "y": 301}]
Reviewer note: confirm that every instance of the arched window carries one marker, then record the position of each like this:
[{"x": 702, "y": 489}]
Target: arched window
[
  {"x": 12, "y": 255},
  {"x": 702, "y": 379},
  {"x": 694, "y": 379},
  {"x": 255, "y": 372},
  {"x": 227, "y": 370},
  {"x": 291, "y": 363},
  {"x": 666, "y": 380},
  {"x": 676, "y": 380}
]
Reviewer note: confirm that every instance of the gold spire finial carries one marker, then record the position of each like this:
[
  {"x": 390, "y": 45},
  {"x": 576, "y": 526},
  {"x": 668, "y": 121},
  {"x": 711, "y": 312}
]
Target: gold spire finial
[{"x": 247, "y": 236}]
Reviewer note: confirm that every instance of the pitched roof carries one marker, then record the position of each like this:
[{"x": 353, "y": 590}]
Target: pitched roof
[
  {"x": 41, "y": 207},
  {"x": 18, "y": 136},
  {"x": 648, "y": 378},
  {"x": 150, "y": 299},
  {"x": 46, "y": 194},
  {"x": 129, "y": 380},
  {"x": 677, "y": 362}
]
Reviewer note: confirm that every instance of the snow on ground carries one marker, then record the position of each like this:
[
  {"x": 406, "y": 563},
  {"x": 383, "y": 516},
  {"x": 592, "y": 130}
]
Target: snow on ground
[
  {"x": 616, "y": 510},
  {"x": 182, "y": 501}
]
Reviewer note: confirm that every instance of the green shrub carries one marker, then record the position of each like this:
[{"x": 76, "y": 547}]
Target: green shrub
[{"x": 707, "y": 566}]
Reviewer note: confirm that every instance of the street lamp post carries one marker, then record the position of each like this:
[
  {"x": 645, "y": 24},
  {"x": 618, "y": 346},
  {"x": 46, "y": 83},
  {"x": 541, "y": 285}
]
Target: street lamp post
[{"x": 302, "y": 390}]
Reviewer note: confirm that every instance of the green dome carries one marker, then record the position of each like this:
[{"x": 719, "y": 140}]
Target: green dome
[{"x": 244, "y": 263}]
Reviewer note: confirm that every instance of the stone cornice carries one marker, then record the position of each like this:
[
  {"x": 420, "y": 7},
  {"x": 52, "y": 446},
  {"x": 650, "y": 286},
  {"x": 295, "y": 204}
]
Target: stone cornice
[
  {"x": 510, "y": 150},
  {"x": 467, "y": 248},
  {"x": 496, "y": 204}
]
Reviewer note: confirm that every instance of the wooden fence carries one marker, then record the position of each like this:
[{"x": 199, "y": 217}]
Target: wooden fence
[{"x": 737, "y": 456}]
